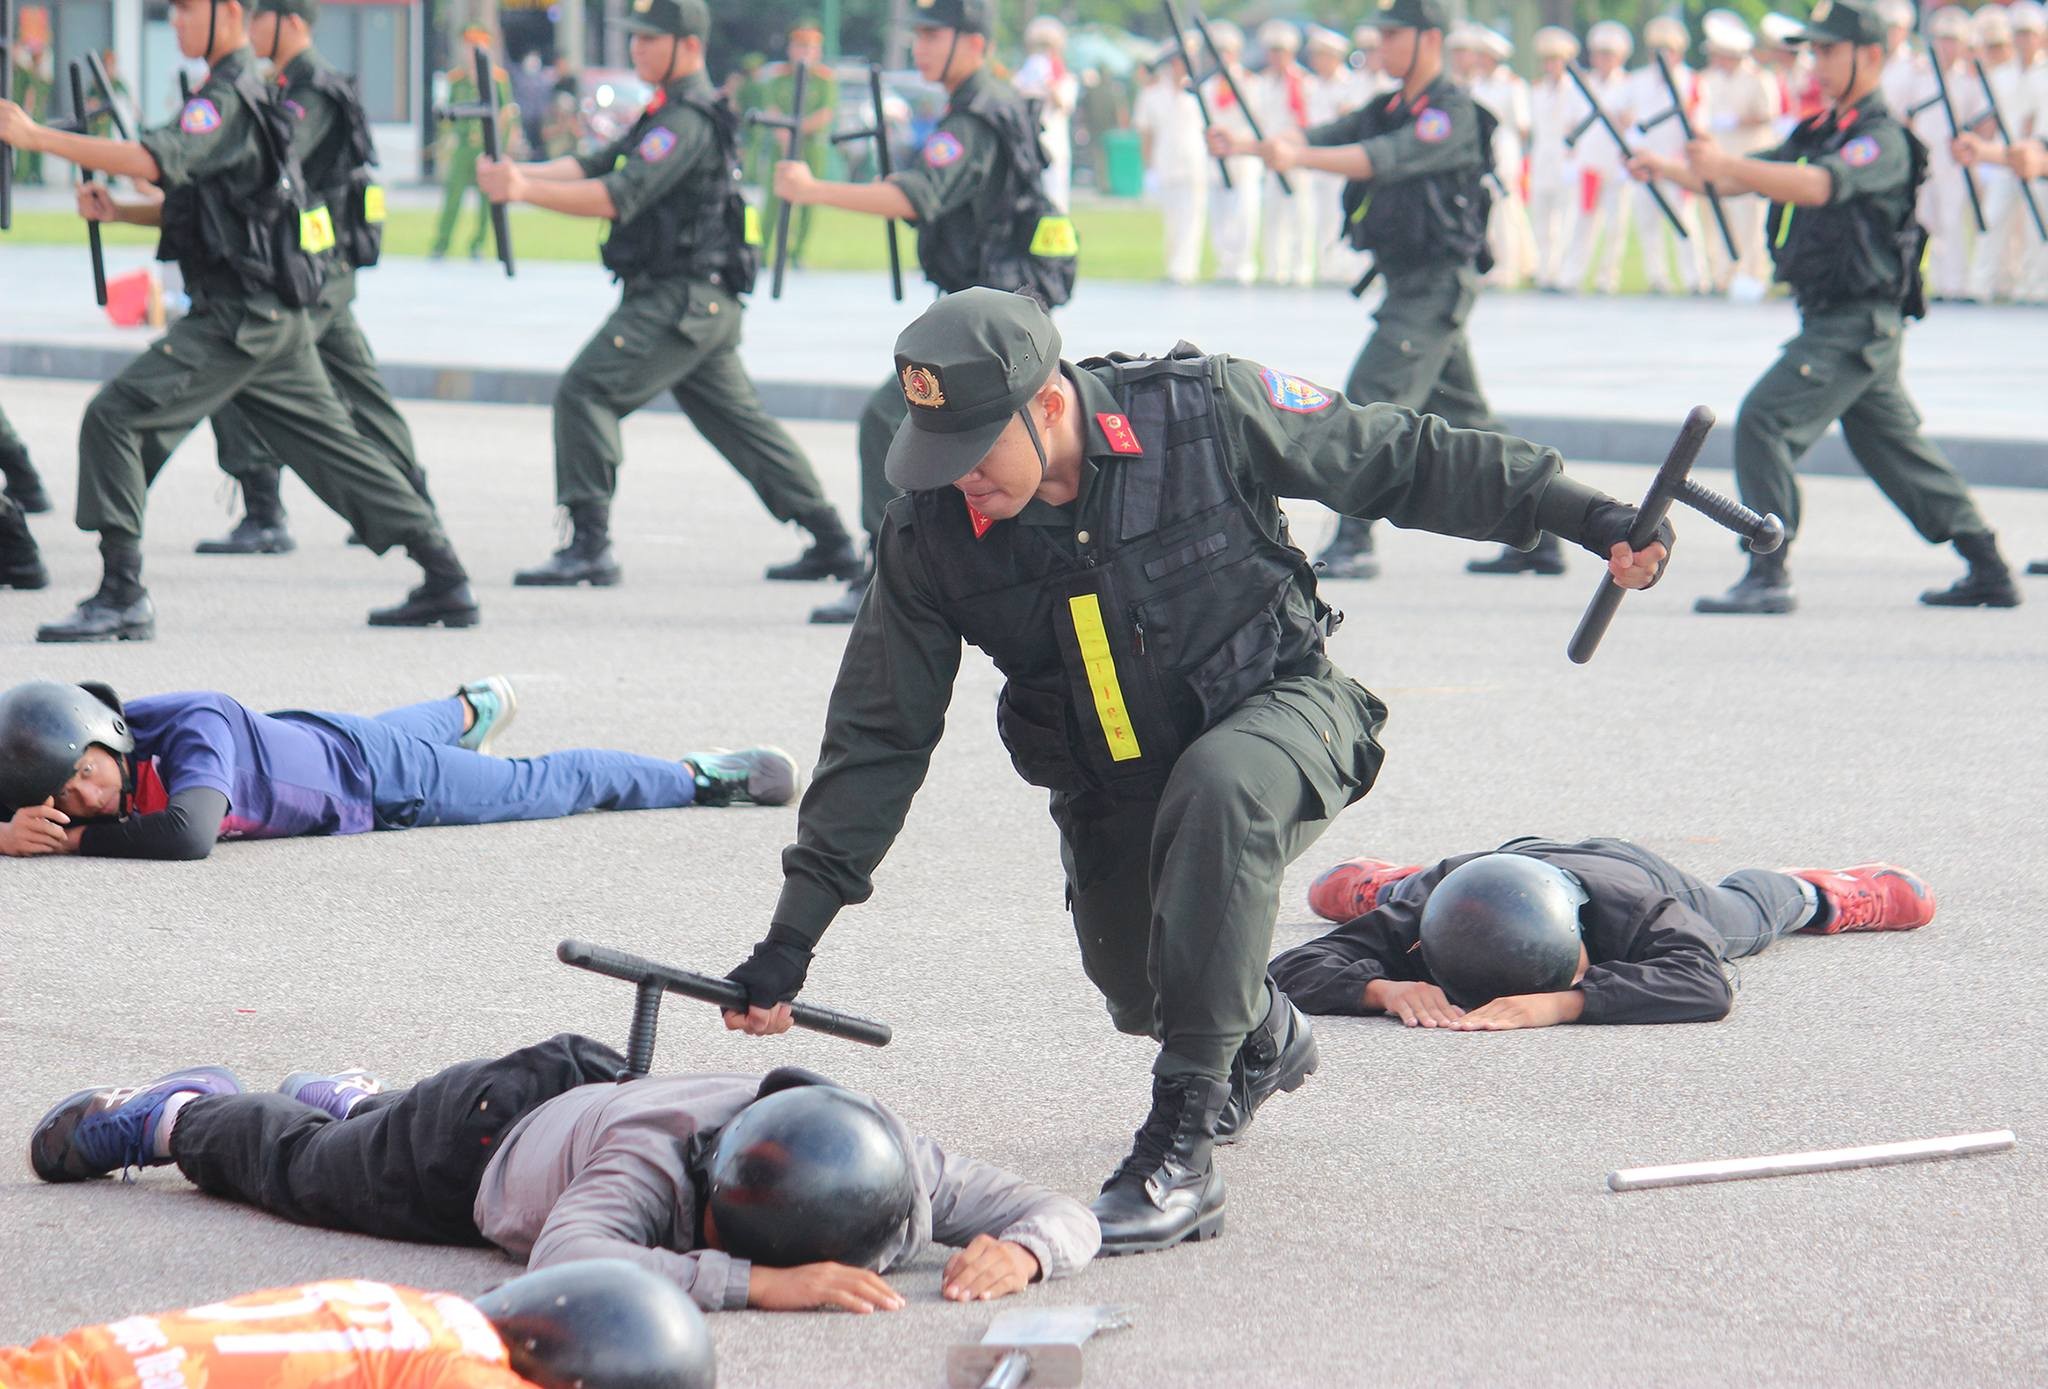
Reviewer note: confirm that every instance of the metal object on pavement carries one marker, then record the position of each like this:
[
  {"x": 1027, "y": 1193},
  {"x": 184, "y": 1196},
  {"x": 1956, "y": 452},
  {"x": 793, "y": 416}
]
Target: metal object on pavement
[
  {"x": 1621, "y": 144},
  {"x": 652, "y": 980},
  {"x": 1948, "y": 109},
  {"x": 1824, "y": 1160},
  {"x": 792, "y": 125},
  {"x": 2005, "y": 137},
  {"x": 1187, "y": 62},
  {"x": 485, "y": 111},
  {"x": 1223, "y": 71},
  {"x": 1685, "y": 125},
  {"x": 1673, "y": 483},
  {"x": 1038, "y": 1347},
  {"x": 879, "y": 133}
]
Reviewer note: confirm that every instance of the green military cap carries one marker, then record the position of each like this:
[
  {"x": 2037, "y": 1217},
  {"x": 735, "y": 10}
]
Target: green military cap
[
  {"x": 1842, "y": 21},
  {"x": 967, "y": 16},
  {"x": 683, "y": 19},
  {"x": 307, "y": 10},
  {"x": 967, "y": 364},
  {"x": 1410, "y": 14}
]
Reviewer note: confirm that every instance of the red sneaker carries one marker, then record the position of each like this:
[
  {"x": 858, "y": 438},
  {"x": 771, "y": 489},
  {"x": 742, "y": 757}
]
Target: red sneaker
[
  {"x": 1870, "y": 897},
  {"x": 1353, "y": 886}
]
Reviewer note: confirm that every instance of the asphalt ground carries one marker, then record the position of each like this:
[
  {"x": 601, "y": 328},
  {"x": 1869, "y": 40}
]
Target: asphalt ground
[{"x": 1430, "y": 1209}]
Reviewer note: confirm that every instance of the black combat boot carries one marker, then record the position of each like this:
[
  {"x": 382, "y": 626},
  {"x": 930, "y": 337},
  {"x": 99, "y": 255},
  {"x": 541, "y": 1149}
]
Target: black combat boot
[
  {"x": 1765, "y": 588},
  {"x": 24, "y": 484},
  {"x": 831, "y": 555},
  {"x": 1349, "y": 553},
  {"x": 444, "y": 600},
  {"x": 1987, "y": 583},
  {"x": 121, "y": 610},
  {"x": 21, "y": 563},
  {"x": 1279, "y": 1054},
  {"x": 261, "y": 531},
  {"x": 846, "y": 606},
  {"x": 1546, "y": 558},
  {"x": 586, "y": 559},
  {"x": 1168, "y": 1189}
]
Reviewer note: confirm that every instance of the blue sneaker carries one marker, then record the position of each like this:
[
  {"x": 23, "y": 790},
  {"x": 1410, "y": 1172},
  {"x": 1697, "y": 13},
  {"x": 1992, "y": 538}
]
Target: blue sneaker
[
  {"x": 496, "y": 704},
  {"x": 110, "y": 1128},
  {"x": 337, "y": 1093},
  {"x": 751, "y": 776}
]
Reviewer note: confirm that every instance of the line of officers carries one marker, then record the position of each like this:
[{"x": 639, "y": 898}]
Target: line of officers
[{"x": 1566, "y": 209}]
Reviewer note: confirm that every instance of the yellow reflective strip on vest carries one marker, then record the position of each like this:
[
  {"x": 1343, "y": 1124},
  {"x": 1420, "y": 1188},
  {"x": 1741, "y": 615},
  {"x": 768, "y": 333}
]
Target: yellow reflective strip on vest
[
  {"x": 373, "y": 203},
  {"x": 1055, "y": 237},
  {"x": 1102, "y": 681},
  {"x": 1363, "y": 203},
  {"x": 753, "y": 225},
  {"x": 1785, "y": 219},
  {"x": 316, "y": 231}
]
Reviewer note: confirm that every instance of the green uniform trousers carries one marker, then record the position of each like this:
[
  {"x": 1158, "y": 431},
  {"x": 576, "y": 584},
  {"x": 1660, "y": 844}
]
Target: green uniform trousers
[
  {"x": 1844, "y": 364},
  {"x": 457, "y": 183},
  {"x": 885, "y": 411},
  {"x": 352, "y": 371},
  {"x": 10, "y": 442},
  {"x": 260, "y": 355},
  {"x": 1174, "y": 900},
  {"x": 1418, "y": 355},
  {"x": 681, "y": 336}
]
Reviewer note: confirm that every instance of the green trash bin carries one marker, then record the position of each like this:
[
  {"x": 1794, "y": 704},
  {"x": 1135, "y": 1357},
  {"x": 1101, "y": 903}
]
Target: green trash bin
[{"x": 1126, "y": 158}]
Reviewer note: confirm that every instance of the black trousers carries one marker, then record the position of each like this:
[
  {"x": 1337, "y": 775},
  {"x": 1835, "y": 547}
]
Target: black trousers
[{"x": 404, "y": 1165}]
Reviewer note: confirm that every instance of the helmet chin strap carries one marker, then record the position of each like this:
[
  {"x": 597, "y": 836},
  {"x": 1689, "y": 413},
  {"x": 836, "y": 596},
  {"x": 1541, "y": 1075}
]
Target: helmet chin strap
[
  {"x": 1031, "y": 428},
  {"x": 675, "y": 48}
]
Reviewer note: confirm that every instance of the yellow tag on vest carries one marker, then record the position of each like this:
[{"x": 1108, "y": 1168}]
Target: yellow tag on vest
[
  {"x": 1055, "y": 237},
  {"x": 373, "y": 204},
  {"x": 1102, "y": 682},
  {"x": 753, "y": 225},
  {"x": 316, "y": 231}
]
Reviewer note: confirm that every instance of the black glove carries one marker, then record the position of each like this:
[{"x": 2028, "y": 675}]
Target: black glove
[
  {"x": 773, "y": 973},
  {"x": 1608, "y": 523}
]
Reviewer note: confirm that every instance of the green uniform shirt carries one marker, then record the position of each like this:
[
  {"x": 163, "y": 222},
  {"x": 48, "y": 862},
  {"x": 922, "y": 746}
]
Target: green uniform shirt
[
  {"x": 214, "y": 135},
  {"x": 651, "y": 160},
  {"x": 462, "y": 92},
  {"x": 957, "y": 161},
  {"x": 774, "y": 89},
  {"x": 1875, "y": 165},
  {"x": 1435, "y": 132},
  {"x": 1284, "y": 438},
  {"x": 315, "y": 115}
]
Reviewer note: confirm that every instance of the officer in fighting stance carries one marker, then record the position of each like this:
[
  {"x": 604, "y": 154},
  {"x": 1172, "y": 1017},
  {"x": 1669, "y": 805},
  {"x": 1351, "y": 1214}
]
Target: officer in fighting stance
[
  {"x": 219, "y": 167},
  {"x": 24, "y": 486},
  {"x": 981, "y": 212},
  {"x": 331, "y": 136},
  {"x": 1110, "y": 533},
  {"x": 670, "y": 187},
  {"x": 1843, "y": 234},
  {"x": 1415, "y": 160}
]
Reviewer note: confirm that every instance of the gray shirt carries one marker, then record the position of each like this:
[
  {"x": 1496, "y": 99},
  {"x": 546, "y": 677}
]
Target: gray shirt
[{"x": 599, "y": 1173}]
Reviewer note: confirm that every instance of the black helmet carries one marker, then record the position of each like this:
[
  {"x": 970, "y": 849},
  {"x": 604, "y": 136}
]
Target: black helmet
[
  {"x": 1502, "y": 924},
  {"x": 810, "y": 1174},
  {"x": 602, "y": 1324},
  {"x": 44, "y": 727}
]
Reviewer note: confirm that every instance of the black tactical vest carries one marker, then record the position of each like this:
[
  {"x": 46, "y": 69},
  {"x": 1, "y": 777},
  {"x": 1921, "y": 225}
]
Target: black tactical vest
[
  {"x": 1438, "y": 219},
  {"x": 1119, "y": 656},
  {"x": 341, "y": 172},
  {"x": 1010, "y": 236},
  {"x": 1857, "y": 249},
  {"x": 245, "y": 234},
  {"x": 700, "y": 229}
]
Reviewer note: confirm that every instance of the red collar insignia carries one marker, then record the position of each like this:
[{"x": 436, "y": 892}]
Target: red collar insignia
[
  {"x": 975, "y": 519},
  {"x": 1116, "y": 429},
  {"x": 656, "y": 102}
]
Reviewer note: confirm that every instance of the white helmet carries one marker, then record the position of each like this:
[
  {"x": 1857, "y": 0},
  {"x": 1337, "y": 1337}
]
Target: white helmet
[
  {"x": 1726, "y": 32},
  {"x": 1950, "y": 22},
  {"x": 1553, "y": 42},
  {"x": 1045, "y": 32},
  {"x": 1496, "y": 43},
  {"x": 1464, "y": 36},
  {"x": 1989, "y": 27},
  {"x": 1328, "y": 40},
  {"x": 1610, "y": 36},
  {"x": 1227, "y": 37},
  {"x": 1667, "y": 32},
  {"x": 1896, "y": 13},
  {"x": 1777, "y": 30},
  {"x": 1279, "y": 34},
  {"x": 2027, "y": 17}
]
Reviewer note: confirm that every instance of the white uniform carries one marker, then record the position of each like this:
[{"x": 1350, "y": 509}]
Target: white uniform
[
  {"x": 1170, "y": 122},
  {"x": 1554, "y": 109},
  {"x": 1505, "y": 94},
  {"x": 1336, "y": 263},
  {"x": 1944, "y": 200},
  {"x": 2033, "y": 286},
  {"x": 1995, "y": 262},
  {"x": 1648, "y": 99},
  {"x": 1234, "y": 211},
  {"x": 1279, "y": 98},
  {"x": 1601, "y": 166},
  {"x": 1057, "y": 89},
  {"x": 1739, "y": 105}
]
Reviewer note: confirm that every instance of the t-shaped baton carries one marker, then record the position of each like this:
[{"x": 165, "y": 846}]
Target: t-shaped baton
[
  {"x": 1223, "y": 71},
  {"x": 1622, "y": 145},
  {"x": 793, "y": 125},
  {"x": 2005, "y": 137},
  {"x": 1948, "y": 109},
  {"x": 1674, "y": 483},
  {"x": 6, "y": 94},
  {"x": 1685, "y": 127},
  {"x": 485, "y": 111},
  {"x": 1187, "y": 62},
  {"x": 879, "y": 133},
  {"x": 80, "y": 123},
  {"x": 651, "y": 981}
]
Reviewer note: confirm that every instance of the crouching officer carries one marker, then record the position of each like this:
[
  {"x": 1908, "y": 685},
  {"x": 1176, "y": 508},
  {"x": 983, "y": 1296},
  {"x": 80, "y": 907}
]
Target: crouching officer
[
  {"x": 1844, "y": 237},
  {"x": 331, "y": 136},
  {"x": 670, "y": 187},
  {"x": 231, "y": 218},
  {"x": 1110, "y": 533}
]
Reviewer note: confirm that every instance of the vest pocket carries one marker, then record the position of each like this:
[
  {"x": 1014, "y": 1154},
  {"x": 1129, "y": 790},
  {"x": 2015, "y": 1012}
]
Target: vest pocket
[
  {"x": 1241, "y": 665},
  {"x": 1032, "y": 723}
]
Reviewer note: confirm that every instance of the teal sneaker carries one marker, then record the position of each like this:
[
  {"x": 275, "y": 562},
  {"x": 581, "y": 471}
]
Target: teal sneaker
[
  {"x": 496, "y": 704},
  {"x": 751, "y": 776}
]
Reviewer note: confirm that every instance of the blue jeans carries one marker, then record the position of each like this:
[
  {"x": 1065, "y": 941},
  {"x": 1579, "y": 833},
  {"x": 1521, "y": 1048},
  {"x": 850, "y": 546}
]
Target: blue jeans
[{"x": 419, "y": 775}]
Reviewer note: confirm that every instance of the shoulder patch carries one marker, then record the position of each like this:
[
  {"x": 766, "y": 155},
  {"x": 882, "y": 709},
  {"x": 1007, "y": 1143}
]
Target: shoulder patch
[
  {"x": 1293, "y": 393},
  {"x": 1433, "y": 126},
  {"x": 1860, "y": 151},
  {"x": 1116, "y": 429},
  {"x": 298, "y": 111},
  {"x": 200, "y": 117},
  {"x": 943, "y": 150},
  {"x": 656, "y": 144}
]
